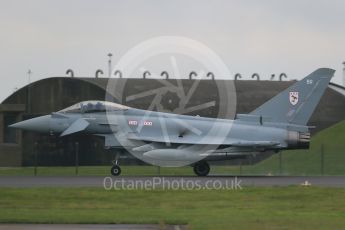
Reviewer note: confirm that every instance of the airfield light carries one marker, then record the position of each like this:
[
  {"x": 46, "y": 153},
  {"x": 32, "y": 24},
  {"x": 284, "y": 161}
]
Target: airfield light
[
  {"x": 109, "y": 64},
  {"x": 29, "y": 75},
  {"x": 344, "y": 74},
  {"x": 29, "y": 92}
]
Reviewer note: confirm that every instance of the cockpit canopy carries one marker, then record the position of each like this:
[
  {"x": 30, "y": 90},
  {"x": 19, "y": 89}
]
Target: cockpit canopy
[{"x": 94, "y": 107}]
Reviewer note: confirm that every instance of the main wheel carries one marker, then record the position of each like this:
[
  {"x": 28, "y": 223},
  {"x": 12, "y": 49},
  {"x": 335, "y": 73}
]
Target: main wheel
[
  {"x": 202, "y": 168},
  {"x": 115, "y": 170}
]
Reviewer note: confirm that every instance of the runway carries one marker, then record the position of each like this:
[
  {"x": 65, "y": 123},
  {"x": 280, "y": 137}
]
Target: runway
[{"x": 149, "y": 182}]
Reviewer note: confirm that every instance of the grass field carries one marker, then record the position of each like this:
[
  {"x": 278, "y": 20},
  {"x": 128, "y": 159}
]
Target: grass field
[
  {"x": 249, "y": 208},
  {"x": 102, "y": 171}
]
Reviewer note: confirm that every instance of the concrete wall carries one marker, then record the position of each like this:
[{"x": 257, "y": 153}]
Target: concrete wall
[
  {"x": 11, "y": 153},
  {"x": 47, "y": 96}
]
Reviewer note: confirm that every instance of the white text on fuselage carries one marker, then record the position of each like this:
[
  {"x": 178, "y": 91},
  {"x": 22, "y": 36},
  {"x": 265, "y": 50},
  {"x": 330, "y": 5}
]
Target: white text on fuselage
[{"x": 135, "y": 123}]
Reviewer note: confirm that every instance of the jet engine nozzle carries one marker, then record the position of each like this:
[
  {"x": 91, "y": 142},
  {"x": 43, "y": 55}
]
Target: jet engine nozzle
[{"x": 299, "y": 140}]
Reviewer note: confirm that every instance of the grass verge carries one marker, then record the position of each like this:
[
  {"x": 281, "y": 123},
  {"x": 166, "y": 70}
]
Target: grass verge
[{"x": 260, "y": 208}]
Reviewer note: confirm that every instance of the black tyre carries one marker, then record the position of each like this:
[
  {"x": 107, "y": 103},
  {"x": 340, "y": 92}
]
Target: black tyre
[
  {"x": 202, "y": 168},
  {"x": 115, "y": 170}
]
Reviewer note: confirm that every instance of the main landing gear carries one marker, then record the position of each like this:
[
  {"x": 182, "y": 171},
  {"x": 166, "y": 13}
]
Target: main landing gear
[
  {"x": 115, "y": 170},
  {"x": 201, "y": 168}
]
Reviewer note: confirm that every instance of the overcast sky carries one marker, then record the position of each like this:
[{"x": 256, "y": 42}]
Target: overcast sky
[{"x": 267, "y": 36}]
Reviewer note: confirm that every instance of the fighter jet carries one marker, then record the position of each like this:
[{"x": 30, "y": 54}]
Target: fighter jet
[{"x": 172, "y": 139}]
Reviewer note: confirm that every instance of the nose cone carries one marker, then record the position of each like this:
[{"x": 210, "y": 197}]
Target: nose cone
[{"x": 38, "y": 124}]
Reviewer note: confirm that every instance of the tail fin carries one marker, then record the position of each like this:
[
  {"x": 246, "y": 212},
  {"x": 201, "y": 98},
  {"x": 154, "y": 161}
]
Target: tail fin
[{"x": 297, "y": 103}]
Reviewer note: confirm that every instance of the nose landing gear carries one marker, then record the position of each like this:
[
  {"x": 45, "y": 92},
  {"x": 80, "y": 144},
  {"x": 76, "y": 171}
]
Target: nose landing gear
[{"x": 115, "y": 170}]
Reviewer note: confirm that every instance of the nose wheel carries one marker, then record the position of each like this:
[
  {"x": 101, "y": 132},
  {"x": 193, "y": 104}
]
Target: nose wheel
[
  {"x": 201, "y": 168},
  {"x": 115, "y": 169}
]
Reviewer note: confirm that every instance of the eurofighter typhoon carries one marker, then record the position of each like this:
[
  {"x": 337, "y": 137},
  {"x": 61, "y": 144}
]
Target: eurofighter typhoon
[{"x": 174, "y": 140}]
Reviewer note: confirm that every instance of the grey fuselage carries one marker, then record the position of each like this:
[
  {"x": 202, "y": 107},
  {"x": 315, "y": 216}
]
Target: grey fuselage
[{"x": 243, "y": 133}]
